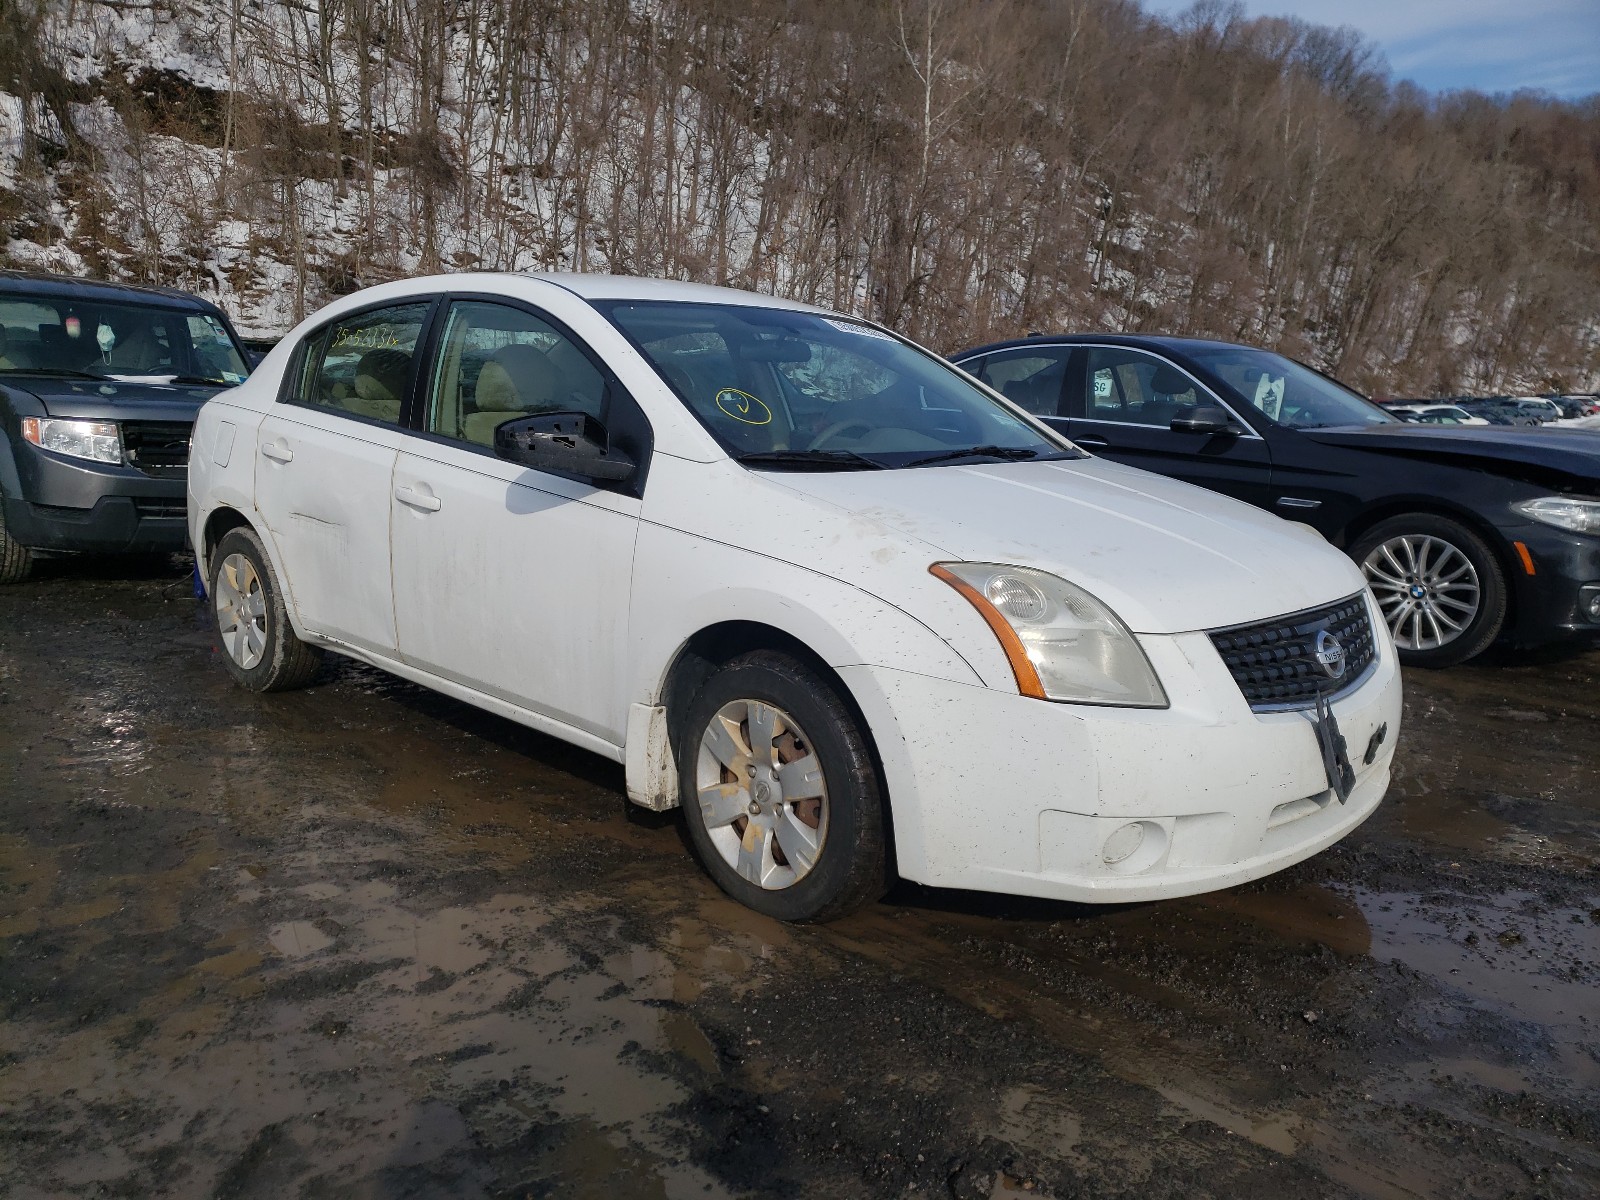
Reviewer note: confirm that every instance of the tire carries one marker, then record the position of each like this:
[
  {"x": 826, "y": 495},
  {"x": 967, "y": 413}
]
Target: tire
[
  {"x": 816, "y": 853},
  {"x": 1431, "y": 573},
  {"x": 258, "y": 645},
  {"x": 16, "y": 560}
]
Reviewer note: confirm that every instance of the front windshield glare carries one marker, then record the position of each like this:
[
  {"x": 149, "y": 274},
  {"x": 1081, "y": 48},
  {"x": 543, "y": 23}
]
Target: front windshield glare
[
  {"x": 50, "y": 335},
  {"x": 1288, "y": 393},
  {"x": 794, "y": 390}
]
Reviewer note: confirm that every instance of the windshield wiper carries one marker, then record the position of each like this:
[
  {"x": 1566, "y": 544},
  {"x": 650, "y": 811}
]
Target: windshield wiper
[
  {"x": 802, "y": 460},
  {"x": 1005, "y": 453}
]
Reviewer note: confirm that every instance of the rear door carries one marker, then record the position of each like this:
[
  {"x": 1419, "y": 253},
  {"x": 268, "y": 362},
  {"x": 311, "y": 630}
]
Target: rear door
[
  {"x": 1120, "y": 402},
  {"x": 325, "y": 457}
]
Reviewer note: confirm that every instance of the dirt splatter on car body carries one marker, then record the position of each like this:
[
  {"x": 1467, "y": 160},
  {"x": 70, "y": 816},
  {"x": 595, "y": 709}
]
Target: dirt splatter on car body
[{"x": 367, "y": 941}]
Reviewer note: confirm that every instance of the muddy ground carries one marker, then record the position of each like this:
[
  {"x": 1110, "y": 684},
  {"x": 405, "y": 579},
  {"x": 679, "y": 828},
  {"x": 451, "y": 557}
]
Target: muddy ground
[{"x": 365, "y": 941}]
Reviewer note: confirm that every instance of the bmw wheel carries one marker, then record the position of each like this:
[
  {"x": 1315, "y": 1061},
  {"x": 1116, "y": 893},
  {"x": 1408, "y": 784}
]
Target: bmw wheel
[
  {"x": 1439, "y": 586},
  {"x": 780, "y": 793}
]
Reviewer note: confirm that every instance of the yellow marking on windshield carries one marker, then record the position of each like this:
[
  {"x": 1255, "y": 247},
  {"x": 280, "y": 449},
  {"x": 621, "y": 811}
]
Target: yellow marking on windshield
[{"x": 744, "y": 407}]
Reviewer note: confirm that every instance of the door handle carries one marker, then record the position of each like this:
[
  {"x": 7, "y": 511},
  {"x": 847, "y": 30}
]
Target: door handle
[
  {"x": 416, "y": 499},
  {"x": 276, "y": 452},
  {"x": 1099, "y": 443}
]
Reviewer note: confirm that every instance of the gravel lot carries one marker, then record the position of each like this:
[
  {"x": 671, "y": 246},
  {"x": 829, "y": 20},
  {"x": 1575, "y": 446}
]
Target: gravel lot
[{"x": 365, "y": 941}]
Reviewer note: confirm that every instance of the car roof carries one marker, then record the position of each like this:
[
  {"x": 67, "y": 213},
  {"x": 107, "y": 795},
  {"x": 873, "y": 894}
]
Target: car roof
[
  {"x": 630, "y": 287},
  {"x": 1143, "y": 341},
  {"x": 38, "y": 283}
]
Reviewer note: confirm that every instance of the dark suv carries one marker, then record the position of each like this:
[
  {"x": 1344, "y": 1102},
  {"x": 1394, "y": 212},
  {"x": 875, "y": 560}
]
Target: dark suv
[{"x": 99, "y": 386}]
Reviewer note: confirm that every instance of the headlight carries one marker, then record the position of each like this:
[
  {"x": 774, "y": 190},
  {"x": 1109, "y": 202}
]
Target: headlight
[
  {"x": 1063, "y": 644},
  {"x": 1580, "y": 516},
  {"x": 95, "y": 440}
]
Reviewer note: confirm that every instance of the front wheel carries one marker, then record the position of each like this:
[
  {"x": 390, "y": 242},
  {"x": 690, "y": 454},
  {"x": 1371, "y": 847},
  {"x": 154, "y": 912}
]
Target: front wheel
[
  {"x": 259, "y": 647},
  {"x": 1438, "y": 584},
  {"x": 780, "y": 793},
  {"x": 16, "y": 560}
]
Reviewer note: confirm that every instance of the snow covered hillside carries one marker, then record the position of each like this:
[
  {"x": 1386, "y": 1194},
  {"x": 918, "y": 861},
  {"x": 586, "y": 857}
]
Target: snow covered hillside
[{"x": 963, "y": 169}]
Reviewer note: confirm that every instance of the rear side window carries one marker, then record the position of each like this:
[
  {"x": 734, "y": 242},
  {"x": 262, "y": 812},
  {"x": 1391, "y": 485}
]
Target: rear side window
[{"x": 361, "y": 365}]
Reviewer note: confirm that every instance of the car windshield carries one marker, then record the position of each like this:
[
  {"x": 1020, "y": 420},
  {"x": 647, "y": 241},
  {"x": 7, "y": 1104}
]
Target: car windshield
[
  {"x": 1287, "y": 392},
  {"x": 781, "y": 389},
  {"x": 70, "y": 336}
]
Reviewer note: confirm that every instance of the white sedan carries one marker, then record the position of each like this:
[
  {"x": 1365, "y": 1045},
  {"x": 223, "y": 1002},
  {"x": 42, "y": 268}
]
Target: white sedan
[
  {"x": 856, "y": 613},
  {"x": 1435, "y": 414}
]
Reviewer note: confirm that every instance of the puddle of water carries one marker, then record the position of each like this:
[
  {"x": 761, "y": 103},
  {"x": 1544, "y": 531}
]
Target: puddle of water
[
  {"x": 1308, "y": 913},
  {"x": 1536, "y": 965},
  {"x": 296, "y": 939},
  {"x": 1276, "y": 1132}
]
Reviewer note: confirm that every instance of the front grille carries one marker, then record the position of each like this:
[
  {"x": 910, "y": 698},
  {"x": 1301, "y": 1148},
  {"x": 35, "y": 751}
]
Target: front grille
[
  {"x": 1274, "y": 662},
  {"x": 159, "y": 448}
]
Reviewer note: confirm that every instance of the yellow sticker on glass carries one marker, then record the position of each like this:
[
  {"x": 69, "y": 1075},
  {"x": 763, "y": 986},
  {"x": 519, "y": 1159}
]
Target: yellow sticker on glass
[{"x": 742, "y": 406}]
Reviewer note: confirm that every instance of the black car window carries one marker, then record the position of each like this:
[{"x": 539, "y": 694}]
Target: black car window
[
  {"x": 1287, "y": 392},
  {"x": 497, "y": 363},
  {"x": 115, "y": 340},
  {"x": 361, "y": 364},
  {"x": 1031, "y": 377},
  {"x": 1134, "y": 388}
]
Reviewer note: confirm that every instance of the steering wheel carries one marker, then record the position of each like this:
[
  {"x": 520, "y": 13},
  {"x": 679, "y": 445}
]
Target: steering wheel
[{"x": 838, "y": 427}]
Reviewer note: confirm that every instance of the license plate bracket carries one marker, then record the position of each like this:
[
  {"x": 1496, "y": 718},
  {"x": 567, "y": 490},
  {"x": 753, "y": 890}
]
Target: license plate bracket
[{"x": 1335, "y": 754}]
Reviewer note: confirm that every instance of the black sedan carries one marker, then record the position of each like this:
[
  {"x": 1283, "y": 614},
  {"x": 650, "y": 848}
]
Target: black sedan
[{"x": 1466, "y": 534}]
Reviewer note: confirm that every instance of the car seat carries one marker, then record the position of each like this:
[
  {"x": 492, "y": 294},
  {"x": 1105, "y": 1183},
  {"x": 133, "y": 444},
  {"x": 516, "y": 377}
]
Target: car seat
[
  {"x": 1167, "y": 385},
  {"x": 516, "y": 381},
  {"x": 141, "y": 353},
  {"x": 380, "y": 384}
]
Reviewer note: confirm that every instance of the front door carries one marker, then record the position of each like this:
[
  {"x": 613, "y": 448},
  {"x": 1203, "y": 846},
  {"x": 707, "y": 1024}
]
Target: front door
[
  {"x": 1121, "y": 402},
  {"x": 512, "y": 581},
  {"x": 325, "y": 458}
]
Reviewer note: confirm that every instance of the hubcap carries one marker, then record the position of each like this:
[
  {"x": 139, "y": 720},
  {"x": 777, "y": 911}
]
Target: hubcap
[
  {"x": 1427, "y": 588},
  {"x": 762, "y": 794},
  {"x": 241, "y": 611}
]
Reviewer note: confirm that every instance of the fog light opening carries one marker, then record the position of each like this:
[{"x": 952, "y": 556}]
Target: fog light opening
[
  {"x": 1589, "y": 601},
  {"x": 1122, "y": 843}
]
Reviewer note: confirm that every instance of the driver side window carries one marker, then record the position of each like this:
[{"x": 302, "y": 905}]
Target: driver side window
[
  {"x": 1131, "y": 387},
  {"x": 498, "y": 363}
]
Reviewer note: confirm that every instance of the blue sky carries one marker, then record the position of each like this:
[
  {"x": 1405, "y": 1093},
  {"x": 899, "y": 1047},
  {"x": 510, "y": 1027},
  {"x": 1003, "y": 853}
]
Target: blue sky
[{"x": 1490, "y": 45}]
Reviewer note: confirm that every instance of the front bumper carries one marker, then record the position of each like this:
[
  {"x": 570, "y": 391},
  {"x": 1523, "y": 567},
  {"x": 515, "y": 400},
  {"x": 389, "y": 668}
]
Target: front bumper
[
  {"x": 71, "y": 504},
  {"x": 998, "y": 792},
  {"x": 1547, "y": 605}
]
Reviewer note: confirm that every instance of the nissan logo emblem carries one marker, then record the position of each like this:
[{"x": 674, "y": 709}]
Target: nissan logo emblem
[{"x": 1329, "y": 653}]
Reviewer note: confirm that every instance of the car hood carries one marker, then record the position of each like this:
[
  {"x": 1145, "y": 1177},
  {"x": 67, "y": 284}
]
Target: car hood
[
  {"x": 113, "y": 400},
  {"x": 1530, "y": 452},
  {"x": 1166, "y": 556}
]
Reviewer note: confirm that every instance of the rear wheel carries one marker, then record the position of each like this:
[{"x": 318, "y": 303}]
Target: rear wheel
[
  {"x": 780, "y": 793},
  {"x": 16, "y": 560},
  {"x": 1438, "y": 584},
  {"x": 259, "y": 647}
]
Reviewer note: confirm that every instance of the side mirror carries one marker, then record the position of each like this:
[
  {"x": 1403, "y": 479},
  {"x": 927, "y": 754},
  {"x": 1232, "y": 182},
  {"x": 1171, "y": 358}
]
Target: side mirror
[
  {"x": 573, "y": 443},
  {"x": 1205, "y": 418}
]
